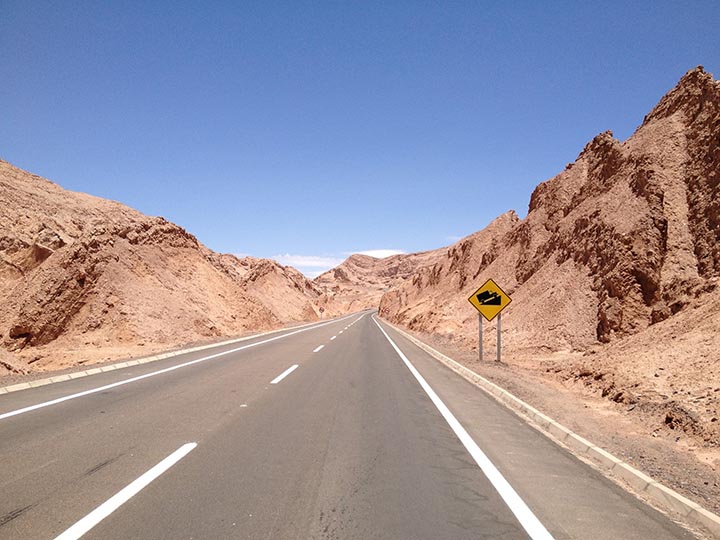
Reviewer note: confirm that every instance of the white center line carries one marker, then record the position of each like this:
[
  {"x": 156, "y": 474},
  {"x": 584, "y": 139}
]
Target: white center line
[
  {"x": 341, "y": 331},
  {"x": 524, "y": 515},
  {"x": 317, "y": 349},
  {"x": 284, "y": 374},
  {"x": 121, "y": 497},
  {"x": 332, "y": 338}
]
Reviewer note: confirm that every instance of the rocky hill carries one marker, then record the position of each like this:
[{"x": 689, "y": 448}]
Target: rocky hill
[
  {"x": 625, "y": 237},
  {"x": 360, "y": 281},
  {"x": 614, "y": 271},
  {"x": 84, "y": 279}
]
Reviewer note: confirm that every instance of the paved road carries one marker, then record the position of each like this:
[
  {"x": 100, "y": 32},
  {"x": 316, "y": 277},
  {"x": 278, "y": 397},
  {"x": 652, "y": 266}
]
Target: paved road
[{"x": 350, "y": 444}]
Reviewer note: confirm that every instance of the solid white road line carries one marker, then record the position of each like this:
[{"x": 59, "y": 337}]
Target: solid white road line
[
  {"x": 318, "y": 348},
  {"x": 524, "y": 515},
  {"x": 124, "y": 495},
  {"x": 284, "y": 374},
  {"x": 154, "y": 373}
]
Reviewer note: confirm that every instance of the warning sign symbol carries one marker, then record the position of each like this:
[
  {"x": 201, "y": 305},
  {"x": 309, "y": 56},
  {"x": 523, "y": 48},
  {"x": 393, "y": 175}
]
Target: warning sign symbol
[{"x": 489, "y": 300}]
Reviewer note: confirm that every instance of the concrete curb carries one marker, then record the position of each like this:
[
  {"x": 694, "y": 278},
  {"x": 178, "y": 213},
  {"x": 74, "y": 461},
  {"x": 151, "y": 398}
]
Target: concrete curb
[
  {"x": 661, "y": 495},
  {"x": 135, "y": 362}
]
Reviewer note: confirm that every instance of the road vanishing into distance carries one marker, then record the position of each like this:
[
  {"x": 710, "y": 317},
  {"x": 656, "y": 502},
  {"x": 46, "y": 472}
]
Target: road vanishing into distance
[{"x": 342, "y": 429}]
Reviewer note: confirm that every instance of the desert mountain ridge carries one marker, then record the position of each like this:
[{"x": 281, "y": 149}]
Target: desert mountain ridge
[
  {"x": 83, "y": 279},
  {"x": 625, "y": 237},
  {"x": 360, "y": 281}
]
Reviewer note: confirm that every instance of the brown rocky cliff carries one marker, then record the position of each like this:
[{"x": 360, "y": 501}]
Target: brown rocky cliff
[
  {"x": 433, "y": 296},
  {"x": 629, "y": 232},
  {"x": 83, "y": 278}
]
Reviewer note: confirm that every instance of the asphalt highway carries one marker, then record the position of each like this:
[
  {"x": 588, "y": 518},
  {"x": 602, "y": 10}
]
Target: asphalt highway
[{"x": 340, "y": 430}]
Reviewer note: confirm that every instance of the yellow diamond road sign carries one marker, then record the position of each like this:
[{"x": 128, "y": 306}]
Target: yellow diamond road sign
[{"x": 490, "y": 300}]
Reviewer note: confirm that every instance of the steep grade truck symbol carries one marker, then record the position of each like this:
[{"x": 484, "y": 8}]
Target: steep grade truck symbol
[{"x": 489, "y": 298}]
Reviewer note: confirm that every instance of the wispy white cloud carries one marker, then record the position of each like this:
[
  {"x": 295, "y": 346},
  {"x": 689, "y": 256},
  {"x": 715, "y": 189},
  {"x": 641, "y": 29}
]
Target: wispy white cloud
[
  {"x": 310, "y": 265},
  {"x": 312, "y": 274},
  {"x": 314, "y": 265},
  {"x": 378, "y": 253},
  {"x": 307, "y": 261}
]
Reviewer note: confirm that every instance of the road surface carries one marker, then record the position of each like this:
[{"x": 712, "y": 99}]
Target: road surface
[{"x": 339, "y": 430}]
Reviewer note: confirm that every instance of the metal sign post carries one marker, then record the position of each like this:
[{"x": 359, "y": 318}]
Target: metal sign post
[
  {"x": 480, "y": 347},
  {"x": 499, "y": 318}
]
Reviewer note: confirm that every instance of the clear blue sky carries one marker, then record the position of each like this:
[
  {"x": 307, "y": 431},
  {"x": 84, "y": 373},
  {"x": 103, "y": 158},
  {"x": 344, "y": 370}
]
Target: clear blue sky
[{"x": 317, "y": 129}]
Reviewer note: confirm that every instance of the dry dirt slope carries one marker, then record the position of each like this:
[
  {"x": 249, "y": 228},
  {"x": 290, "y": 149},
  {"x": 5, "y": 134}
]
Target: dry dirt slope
[
  {"x": 613, "y": 273},
  {"x": 83, "y": 279}
]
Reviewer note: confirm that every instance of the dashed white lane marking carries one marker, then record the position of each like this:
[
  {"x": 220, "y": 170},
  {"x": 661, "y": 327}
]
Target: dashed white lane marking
[
  {"x": 332, "y": 338},
  {"x": 318, "y": 348},
  {"x": 121, "y": 497},
  {"x": 284, "y": 374},
  {"x": 340, "y": 332},
  {"x": 154, "y": 373},
  {"x": 524, "y": 515}
]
